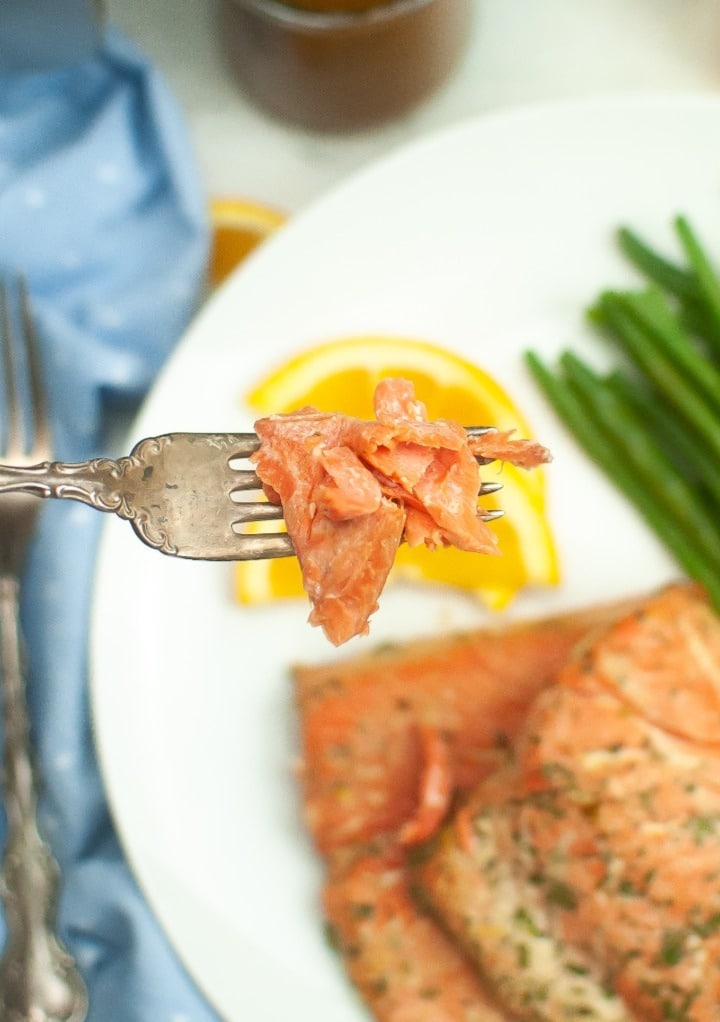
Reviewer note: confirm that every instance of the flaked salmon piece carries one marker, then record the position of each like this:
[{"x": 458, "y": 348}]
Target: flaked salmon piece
[
  {"x": 344, "y": 588},
  {"x": 426, "y": 525},
  {"x": 503, "y": 446},
  {"x": 361, "y": 718},
  {"x": 441, "y": 492},
  {"x": 401, "y": 962},
  {"x": 613, "y": 808},
  {"x": 351, "y": 490},
  {"x": 290, "y": 463},
  {"x": 342, "y": 481},
  {"x": 345, "y": 556},
  {"x": 394, "y": 399},
  {"x": 435, "y": 788}
]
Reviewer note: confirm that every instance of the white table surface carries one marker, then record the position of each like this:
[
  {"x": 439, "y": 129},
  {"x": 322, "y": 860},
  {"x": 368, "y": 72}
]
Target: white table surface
[{"x": 520, "y": 52}]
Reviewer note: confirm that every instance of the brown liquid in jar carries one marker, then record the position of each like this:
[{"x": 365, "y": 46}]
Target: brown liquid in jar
[{"x": 343, "y": 68}]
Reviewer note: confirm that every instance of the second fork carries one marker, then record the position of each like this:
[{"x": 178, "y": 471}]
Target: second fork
[{"x": 38, "y": 977}]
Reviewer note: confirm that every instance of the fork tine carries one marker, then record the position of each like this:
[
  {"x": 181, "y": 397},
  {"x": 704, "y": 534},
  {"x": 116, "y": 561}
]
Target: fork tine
[
  {"x": 262, "y": 511},
  {"x": 260, "y": 547},
  {"x": 13, "y": 423},
  {"x": 244, "y": 444},
  {"x": 244, "y": 480},
  {"x": 38, "y": 404},
  {"x": 475, "y": 431}
]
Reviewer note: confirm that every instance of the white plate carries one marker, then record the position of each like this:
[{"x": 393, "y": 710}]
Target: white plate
[{"x": 489, "y": 238}]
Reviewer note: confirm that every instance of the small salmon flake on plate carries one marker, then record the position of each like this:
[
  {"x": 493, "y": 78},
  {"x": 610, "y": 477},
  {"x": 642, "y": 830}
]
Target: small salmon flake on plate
[{"x": 353, "y": 490}]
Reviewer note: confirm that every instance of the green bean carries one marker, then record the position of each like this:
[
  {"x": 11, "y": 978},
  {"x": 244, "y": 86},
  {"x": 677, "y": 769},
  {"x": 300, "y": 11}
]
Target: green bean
[
  {"x": 680, "y": 283},
  {"x": 637, "y": 443},
  {"x": 706, "y": 276},
  {"x": 689, "y": 457},
  {"x": 659, "y": 365},
  {"x": 652, "y": 423},
  {"x": 583, "y": 421},
  {"x": 656, "y": 268},
  {"x": 651, "y": 310}
]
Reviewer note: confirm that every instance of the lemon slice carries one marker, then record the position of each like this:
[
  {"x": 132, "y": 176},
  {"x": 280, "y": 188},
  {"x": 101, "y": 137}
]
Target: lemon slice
[
  {"x": 238, "y": 226},
  {"x": 341, "y": 377}
]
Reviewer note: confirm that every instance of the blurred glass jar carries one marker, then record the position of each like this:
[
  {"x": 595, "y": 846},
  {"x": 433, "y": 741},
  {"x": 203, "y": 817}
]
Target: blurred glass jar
[{"x": 334, "y": 65}]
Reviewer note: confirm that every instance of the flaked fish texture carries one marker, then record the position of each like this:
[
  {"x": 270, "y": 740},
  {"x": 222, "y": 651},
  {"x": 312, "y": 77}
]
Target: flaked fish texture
[{"x": 353, "y": 490}]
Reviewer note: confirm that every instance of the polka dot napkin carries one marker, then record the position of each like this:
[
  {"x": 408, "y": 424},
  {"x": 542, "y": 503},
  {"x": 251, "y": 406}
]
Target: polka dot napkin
[{"x": 102, "y": 209}]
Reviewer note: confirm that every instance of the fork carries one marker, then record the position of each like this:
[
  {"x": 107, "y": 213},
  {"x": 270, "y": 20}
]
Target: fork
[
  {"x": 38, "y": 978},
  {"x": 181, "y": 492}
]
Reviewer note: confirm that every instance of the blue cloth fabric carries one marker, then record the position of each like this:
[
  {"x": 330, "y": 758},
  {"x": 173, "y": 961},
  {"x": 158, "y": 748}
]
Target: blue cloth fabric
[{"x": 101, "y": 206}]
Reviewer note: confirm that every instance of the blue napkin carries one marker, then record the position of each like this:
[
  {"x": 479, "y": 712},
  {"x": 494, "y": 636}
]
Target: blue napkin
[{"x": 102, "y": 208}]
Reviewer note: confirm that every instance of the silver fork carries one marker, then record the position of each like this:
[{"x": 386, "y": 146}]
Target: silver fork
[
  {"x": 181, "y": 492},
  {"x": 38, "y": 978}
]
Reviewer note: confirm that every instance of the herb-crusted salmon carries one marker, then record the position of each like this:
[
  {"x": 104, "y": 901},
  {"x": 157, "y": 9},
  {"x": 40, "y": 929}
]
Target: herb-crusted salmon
[
  {"x": 352, "y": 490},
  {"x": 371, "y": 730},
  {"x": 604, "y": 836},
  {"x": 578, "y": 875},
  {"x": 373, "y": 726},
  {"x": 404, "y": 965}
]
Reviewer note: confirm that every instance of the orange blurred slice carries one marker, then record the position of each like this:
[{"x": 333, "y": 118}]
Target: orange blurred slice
[
  {"x": 238, "y": 226},
  {"x": 341, "y": 376}
]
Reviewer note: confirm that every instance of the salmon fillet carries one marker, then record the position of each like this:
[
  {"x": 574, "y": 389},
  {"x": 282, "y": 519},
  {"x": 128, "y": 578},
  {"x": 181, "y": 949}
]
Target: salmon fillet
[
  {"x": 486, "y": 897},
  {"x": 603, "y": 836},
  {"x": 405, "y": 967},
  {"x": 367, "y": 722},
  {"x": 351, "y": 490}
]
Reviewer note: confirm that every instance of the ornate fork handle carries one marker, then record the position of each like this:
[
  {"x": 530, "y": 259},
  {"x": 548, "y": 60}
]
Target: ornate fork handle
[
  {"x": 98, "y": 482},
  {"x": 176, "y": 490},
  {"x": 38, "y": 980},
  {"x": 115, "y": 486}
]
